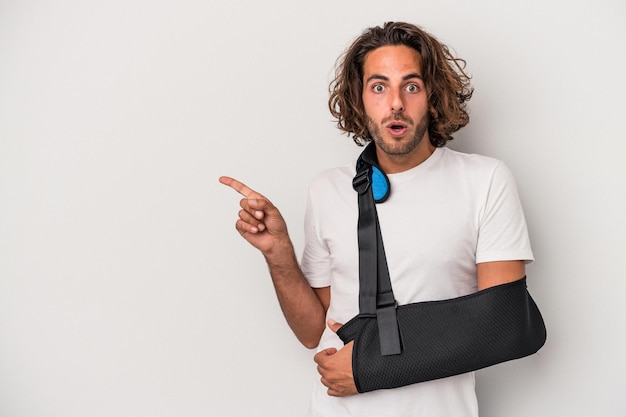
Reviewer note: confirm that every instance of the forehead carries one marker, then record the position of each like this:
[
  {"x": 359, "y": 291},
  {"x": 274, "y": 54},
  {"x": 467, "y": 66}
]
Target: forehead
[{"x": 392, "y": 59}]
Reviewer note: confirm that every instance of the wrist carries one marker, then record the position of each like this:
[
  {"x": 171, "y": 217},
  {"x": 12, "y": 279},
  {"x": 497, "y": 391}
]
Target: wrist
[{"x": 281, "y": 255}]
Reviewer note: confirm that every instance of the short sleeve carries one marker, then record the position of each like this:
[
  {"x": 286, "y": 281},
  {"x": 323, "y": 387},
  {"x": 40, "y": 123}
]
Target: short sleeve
[
  {"x": 315, "y": 262},
  {"x": 503, "y": 234}
]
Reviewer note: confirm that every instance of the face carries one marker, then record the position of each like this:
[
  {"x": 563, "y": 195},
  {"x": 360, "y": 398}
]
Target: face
[{"x": 396, "y": 105}]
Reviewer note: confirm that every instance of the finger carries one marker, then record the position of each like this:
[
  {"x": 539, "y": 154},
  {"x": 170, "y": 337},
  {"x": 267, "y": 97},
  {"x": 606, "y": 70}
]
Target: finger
[
  {"x": 251, "y": 219},
  {"x": 323, "y": 354},
  {"x": 329, "y": 351},
  {"x": 333, "y": 393},
  {"x": 250, "y": 222},
  {"x": 334, "y": 389},
  {"x": 243, "y": 227},
  {"x": 256, "y": 207},
  {"x": 240, "y": 187},
  {"x": 324, "y": 382},
  {"x": 334, "y": 326}
]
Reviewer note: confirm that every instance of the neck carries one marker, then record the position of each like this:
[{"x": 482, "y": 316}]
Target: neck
[{"x": 396, "y": 163}]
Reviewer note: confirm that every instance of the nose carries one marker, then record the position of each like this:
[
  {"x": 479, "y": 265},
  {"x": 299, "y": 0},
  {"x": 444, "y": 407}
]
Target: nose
[{"x": 397, "y": 104}]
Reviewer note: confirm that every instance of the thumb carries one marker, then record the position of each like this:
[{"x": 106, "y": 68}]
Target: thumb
[
  {"x": 329, "y": 351},
  {"x": 334, "y": 326},
  {"x": 320, "y": 357}
]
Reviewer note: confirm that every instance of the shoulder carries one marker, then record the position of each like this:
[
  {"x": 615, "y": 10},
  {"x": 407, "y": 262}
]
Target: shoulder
[
  {"x": 333, "y": 179},
  {"x": 331, "y": 191},
  {"x": 470, "y": 161},
  {"x": 479, "y": 167}
]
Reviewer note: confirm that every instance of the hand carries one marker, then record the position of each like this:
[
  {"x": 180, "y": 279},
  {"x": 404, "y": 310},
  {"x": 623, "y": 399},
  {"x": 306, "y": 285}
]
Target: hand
[
  {"x": 335, "y": 367},
  {"x": 260, "y": 222}
]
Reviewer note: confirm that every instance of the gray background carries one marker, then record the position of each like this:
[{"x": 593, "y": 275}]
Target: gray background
[{"x": 124, "y": 289}]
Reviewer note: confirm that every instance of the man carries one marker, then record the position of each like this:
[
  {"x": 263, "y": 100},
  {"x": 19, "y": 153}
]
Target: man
[{"x": 452, "y": 225}]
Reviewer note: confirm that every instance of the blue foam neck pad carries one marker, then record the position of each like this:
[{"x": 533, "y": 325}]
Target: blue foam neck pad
[
  {"x": 380, "y": 186},
  {"x": 379, "y": 181}
]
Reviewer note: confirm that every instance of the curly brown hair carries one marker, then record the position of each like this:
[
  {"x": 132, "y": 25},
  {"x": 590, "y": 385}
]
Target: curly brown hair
[{"x": 444, "y": 76}]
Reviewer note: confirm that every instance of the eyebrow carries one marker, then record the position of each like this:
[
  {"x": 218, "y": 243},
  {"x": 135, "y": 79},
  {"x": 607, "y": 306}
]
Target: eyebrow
[{"x": 385, "y": 78}]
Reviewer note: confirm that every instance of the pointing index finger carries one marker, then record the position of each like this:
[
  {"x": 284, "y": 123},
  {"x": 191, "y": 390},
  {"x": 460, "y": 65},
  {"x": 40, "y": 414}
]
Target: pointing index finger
[{"x": 240, "y": 187}]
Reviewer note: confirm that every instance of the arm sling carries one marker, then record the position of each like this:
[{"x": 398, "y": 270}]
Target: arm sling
[{"x": 396, "y": 345}]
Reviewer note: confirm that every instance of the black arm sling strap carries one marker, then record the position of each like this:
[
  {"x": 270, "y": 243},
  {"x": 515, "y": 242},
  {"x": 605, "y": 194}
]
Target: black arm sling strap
[{"x": 375, "y": 293}]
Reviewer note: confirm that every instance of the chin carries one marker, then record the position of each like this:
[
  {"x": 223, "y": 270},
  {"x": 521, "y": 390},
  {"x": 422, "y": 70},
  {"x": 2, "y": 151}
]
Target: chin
[{"x": 396, "y": 146}]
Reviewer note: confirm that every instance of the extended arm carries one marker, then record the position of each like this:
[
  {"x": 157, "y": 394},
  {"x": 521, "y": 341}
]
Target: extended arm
[{"x": 261, "y": 224}]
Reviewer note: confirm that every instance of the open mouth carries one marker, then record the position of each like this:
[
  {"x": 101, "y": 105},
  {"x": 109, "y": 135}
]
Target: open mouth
[{"x": 396, "y": 128}]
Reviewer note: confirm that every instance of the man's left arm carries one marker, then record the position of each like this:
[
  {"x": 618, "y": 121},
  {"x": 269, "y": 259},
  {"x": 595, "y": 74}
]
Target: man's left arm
[
  {"x": 490, "y": 274},
  {"x": 335, "y": 366}
]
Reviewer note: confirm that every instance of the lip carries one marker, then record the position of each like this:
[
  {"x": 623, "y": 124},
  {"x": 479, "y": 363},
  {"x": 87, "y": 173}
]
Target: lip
[{"x": 400, "y": 128}]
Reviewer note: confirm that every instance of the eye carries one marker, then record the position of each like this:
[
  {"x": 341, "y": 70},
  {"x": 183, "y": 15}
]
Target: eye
[
  {"x": 412, "y": 88},
  {"x": 378, "y": 88}
]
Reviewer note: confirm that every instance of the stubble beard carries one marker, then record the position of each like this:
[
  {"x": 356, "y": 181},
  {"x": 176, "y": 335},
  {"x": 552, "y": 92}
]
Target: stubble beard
[{"x": 394, "y": 147}]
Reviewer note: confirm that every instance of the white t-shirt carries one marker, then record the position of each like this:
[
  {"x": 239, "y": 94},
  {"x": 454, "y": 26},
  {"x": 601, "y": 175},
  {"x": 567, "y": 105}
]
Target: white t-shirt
[{"x": 443, "y": 217}]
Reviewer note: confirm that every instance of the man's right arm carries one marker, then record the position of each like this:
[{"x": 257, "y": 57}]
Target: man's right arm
[
  {"x": 304, "y": 308},
  {"x": 262, "y": 225}
]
